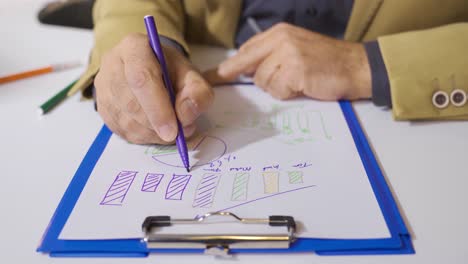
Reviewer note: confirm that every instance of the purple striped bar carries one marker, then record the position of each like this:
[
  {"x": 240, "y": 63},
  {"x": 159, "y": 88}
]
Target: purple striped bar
[
  {"x": 176, "y": 187},
  {"x": 116, "y": 193},
  {"x": 151, "y": 182},
  {"x": 206, "y": 190}
]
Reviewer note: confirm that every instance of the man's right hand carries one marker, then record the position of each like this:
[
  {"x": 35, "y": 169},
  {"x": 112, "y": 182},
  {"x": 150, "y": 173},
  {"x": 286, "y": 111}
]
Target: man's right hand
[{"x": 133, "y": 101}]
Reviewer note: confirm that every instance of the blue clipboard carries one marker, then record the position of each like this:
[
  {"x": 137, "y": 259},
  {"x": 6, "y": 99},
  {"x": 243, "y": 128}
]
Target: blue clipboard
[{"x": 398, "y": 243}]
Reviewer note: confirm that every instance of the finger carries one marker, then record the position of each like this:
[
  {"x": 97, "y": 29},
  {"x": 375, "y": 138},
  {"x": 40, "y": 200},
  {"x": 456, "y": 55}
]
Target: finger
[
  {"x": 213, "y": 78},
  {"x": 272, "y": 78},
  {"x": 252, "y": 52},
  {"x": 282, "y": 86},
  {"x": 245, "y": 60},
  {"x": 249, "y": 72},
  {"x": 266, "y": 71},
  {"x": 104, "y": 95},
  {"x": 130, "y": 129},
  {"x": 190, "y": 130},
  {"x": 144, "y": 77},
  {"x": 194, "y": 98},
  {"x": 122, "y": 95}
]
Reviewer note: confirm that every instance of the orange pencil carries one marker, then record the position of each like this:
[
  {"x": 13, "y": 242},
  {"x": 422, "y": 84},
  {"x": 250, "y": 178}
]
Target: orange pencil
[{"x": 48, "y": 69}]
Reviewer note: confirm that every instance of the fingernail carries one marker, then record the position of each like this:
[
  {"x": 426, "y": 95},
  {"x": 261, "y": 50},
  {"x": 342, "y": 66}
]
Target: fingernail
[
  {"x": 189, "y": 111},
  {"x": 167, "y": 132}
]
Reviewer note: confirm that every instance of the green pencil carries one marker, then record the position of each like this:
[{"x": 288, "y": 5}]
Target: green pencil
[{"x": 55, "y": 100}]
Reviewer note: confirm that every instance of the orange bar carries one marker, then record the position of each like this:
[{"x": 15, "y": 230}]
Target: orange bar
[{"x": 26, "y": 74}]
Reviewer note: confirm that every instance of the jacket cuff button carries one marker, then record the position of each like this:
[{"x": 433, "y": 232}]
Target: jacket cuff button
[
  {"x": 440, "y": 99},
  {"x": 458, "y": 97}
]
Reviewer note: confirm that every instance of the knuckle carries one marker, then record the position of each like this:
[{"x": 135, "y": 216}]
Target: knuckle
[
  {"x": 282, "y": 26},
  {"x": 133, "y": 106},
  {"x": 138, "y": 77},
  {"x": 282, "y": 30}
]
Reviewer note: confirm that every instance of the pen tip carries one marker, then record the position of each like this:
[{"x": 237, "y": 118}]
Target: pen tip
[{"x": 188, "y": 170}]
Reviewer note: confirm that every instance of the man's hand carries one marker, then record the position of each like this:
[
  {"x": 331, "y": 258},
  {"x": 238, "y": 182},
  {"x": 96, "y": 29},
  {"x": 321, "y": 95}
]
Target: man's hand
[
  {"x": 288, "y": 61},
  {"x": 133, "y": 101}
]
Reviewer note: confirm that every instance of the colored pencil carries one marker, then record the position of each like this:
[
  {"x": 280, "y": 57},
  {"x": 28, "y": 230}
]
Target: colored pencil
[
  {"x": 44, "y": 70},
  {"x": 55, "y": 100}
]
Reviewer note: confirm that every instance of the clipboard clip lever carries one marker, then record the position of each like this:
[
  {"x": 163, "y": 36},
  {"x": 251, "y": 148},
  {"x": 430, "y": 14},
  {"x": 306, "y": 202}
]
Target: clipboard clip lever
[{"x": 222, "y": 242}]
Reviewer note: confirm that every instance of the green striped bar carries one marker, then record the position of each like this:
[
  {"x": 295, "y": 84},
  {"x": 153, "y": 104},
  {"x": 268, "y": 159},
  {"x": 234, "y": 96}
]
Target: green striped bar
[
  {"x": 295, "y": 177},
  {"x": 240, "y": 186}
]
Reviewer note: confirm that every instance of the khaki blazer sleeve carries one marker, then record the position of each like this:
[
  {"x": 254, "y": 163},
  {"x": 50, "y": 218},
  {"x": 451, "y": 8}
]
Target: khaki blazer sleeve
[
  {"x": 421, "y": 63},
  {"x": 114, "y": 19}
]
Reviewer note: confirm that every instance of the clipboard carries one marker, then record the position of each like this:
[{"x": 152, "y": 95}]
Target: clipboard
[{"x": 398, "y": 243}]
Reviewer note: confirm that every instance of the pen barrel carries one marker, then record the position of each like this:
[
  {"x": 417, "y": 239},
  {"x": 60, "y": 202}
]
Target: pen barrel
[
  {"x": 182, "y": 145},
  {"x": 155, "y": 44}
]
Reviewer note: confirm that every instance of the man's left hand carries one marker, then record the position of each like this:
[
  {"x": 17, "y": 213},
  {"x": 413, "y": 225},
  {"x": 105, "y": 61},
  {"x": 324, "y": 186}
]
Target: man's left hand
[{"x": 288, "y": 61}]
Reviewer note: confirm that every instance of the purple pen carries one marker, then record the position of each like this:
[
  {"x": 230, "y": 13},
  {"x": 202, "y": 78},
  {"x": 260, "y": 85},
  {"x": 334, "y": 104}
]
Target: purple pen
[{"x": 155, "y": 44}]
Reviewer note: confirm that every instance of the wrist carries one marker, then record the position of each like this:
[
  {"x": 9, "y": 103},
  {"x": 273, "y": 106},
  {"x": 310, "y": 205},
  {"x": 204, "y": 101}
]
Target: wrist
[{"x": 361, "y": 73}]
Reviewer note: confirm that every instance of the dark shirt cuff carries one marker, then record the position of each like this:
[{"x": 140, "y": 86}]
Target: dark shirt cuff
[
  {"x": 93, "y": 90},
  {"x": 380, "y": 83},
  {"x": 170, "y": 42}
]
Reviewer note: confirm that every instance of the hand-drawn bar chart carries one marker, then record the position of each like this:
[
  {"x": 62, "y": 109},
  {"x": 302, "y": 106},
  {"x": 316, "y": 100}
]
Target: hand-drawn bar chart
[
  {"x": 116, "y": 193},
  {"x": 206, "y": 190},
  {"x": 176, "y": 187},
  {"x": 240, "y": 186},
  {"x": 151, "y": 182},
  {"x": 271, "y": 182}
]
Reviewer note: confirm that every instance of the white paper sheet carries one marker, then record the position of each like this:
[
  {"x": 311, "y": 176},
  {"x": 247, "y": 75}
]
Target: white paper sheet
[{"x": 254, "y": 156}]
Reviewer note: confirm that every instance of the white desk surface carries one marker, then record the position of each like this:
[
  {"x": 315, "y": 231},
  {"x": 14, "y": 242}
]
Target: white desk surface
[{"x": 425, "y": 163}]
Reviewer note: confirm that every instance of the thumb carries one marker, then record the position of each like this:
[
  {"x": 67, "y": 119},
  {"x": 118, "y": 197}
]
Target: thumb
[{"x": 194, "y": 97}]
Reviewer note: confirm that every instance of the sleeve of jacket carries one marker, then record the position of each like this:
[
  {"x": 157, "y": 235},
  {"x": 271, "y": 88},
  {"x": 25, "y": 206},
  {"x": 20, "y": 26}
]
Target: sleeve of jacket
[
  {"x": 114, "y": 19},
  {"x": 424, "y": 64}
]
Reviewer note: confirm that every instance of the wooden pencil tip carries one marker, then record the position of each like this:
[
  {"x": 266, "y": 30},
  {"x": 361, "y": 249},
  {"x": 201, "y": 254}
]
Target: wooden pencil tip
[{"x": 40, "y": 111}]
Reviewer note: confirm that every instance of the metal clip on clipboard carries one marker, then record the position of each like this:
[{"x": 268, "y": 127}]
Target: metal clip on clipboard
[{"x": 218, "y": 244}]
